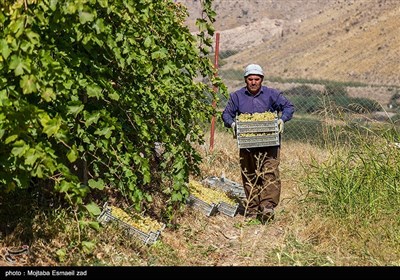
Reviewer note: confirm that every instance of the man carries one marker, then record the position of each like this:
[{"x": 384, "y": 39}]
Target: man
[{"x": 260, "y": 166}]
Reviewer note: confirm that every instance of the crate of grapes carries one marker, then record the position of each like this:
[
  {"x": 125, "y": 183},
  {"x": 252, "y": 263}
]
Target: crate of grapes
[
  {"x": 208, "y": 209},
  {"x": 226, "y": 185},
  {"x": 143, "y": 228},
  {"x": 257, "y": 130},
  {"x": 228, "y": 209},
  {"x": 212, "y": 200}
]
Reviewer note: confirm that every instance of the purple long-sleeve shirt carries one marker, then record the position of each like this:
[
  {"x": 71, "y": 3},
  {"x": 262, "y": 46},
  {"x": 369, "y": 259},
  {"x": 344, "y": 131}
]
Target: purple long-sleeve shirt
[{"x": 267, "y": 99}]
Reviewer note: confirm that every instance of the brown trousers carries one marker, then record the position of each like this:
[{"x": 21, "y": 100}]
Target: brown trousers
[{"x": 260, "y": 176}]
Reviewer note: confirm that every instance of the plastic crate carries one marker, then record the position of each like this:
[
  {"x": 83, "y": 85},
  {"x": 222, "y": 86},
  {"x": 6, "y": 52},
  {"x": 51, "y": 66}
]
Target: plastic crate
[
  {"x": 147, "y": 238},
  {"x": 227, "y": 209},
  {"x": 218, "y": 206},
  {"x": 206, "y": 208},
  {"x": 258, "y": 141},
  {"x": 266, "y": 133},
  {"x": 257, "y": 126},
  {"x": 226, "y": 185}
]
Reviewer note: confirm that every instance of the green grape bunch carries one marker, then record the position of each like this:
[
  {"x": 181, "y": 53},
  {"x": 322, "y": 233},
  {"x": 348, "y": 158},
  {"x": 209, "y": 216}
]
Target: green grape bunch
[
  {"x": 144, "y": 224},
  {"x": 256, "y": 134},
  {"x": 266, "y": 116},
  {"x": 209, "y": 195}
]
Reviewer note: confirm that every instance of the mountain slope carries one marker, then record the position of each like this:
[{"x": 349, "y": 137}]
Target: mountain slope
[{"x": 356, "y": 41}]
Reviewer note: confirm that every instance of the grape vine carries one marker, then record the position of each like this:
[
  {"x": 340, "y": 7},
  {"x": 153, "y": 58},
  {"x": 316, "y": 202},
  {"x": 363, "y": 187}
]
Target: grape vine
[{"x": 91, "y": 85}]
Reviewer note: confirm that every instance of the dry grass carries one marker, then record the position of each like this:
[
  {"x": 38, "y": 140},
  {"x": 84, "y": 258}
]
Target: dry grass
[
  {"x": 222, "y": 159},
  {"x": 300, "y": 235},
  {"x": 199, "y": 240}
]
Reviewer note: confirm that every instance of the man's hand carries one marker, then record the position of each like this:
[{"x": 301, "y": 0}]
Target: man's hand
[
  {"x": 233, "y": 126},
  {"x": 281, "y": 126}
]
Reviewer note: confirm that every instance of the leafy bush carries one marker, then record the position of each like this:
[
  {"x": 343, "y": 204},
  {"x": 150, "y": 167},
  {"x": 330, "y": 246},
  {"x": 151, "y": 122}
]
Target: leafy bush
[
  {"x": 91, "y": 86},
  {"x": 306, "y": 104},
  {"x": 303, "y": 129},
  {"x": 309, "y": 100},
  {"x": 304, "y": 98},
  {"x": 334, "y": 89}
]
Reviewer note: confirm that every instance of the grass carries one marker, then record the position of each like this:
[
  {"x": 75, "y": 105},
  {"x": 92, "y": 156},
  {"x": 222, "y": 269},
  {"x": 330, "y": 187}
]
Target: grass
[{"x": 339, "y": 207}]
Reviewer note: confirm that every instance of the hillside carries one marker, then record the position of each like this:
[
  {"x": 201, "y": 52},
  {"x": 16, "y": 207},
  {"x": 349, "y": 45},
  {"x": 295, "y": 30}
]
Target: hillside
[{"x": 357, "y": 41}]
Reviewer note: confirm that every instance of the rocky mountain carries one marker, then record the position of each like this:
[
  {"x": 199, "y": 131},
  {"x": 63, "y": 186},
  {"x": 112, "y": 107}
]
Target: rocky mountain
[{"x": 340, "y": 40}]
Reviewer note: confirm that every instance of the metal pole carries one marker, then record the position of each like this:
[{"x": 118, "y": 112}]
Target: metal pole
[{"x": 215, "y": 90}]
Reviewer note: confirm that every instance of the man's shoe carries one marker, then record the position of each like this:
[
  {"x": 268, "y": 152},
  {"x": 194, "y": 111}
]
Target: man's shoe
[
  {"x": 267, "y": 215},
  {"x": 251, "y": 216}
]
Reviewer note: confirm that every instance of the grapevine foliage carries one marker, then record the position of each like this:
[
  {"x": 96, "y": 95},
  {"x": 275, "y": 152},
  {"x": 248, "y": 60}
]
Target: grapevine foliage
[{"x": 95, "y": 84}]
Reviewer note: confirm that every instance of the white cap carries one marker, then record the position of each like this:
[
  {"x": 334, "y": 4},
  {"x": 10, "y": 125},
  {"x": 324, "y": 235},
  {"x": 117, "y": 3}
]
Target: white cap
[{"x": 253, "y": 69}]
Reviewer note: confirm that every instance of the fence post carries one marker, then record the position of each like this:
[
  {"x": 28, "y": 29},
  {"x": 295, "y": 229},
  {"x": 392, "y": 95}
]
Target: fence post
[{"x": 215, "y": 90}]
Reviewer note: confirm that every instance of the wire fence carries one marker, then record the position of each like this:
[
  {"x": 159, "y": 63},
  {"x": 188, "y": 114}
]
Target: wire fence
[{"x": 318, "y": 102}]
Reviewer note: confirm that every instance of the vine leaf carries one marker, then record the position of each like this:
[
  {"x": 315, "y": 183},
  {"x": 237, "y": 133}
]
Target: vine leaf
[{"x": 96, "y": 184}]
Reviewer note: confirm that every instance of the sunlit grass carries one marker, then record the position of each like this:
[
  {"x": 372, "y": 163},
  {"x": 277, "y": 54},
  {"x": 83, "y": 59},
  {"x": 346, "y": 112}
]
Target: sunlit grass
[{"x": 339, "y": 207}]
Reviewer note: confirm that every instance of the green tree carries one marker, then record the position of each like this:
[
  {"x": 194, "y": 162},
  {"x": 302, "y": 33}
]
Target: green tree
[{"x": 94, "y": 84}]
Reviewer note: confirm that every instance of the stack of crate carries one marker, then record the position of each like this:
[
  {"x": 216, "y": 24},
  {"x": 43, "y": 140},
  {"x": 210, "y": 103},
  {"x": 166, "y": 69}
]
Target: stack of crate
[
  {"x": 254, "y": 134},
  {"x": 214, "y": 207},
  {"x": 208, "y": 209},
  {"x": 226, "y": 185}
]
